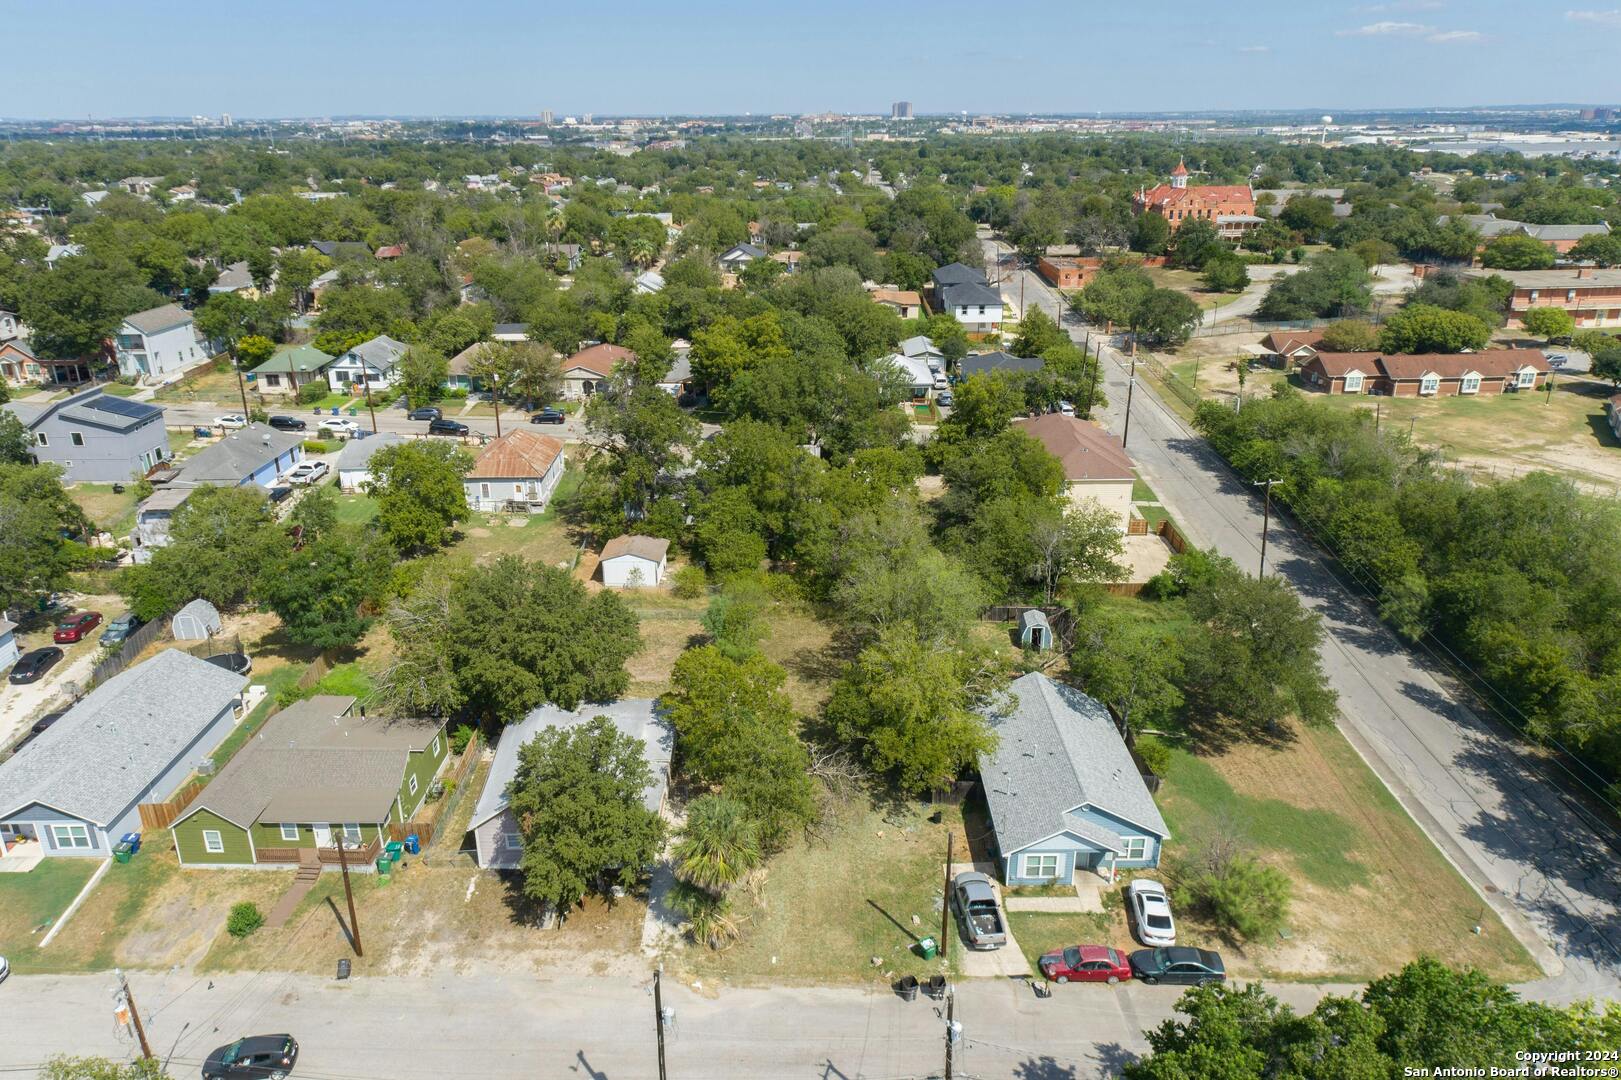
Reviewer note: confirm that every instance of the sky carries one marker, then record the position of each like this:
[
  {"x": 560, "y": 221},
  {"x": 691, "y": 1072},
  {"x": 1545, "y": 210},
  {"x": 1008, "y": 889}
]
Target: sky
[{"x": 312, "y": 58}]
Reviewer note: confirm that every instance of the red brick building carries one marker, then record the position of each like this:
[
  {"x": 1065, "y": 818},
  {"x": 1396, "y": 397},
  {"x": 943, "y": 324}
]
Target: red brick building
[
  {"x": 1068, "y": 272},
  {"x": 1494, "y": 371},
  {"x": 1229, "y": 207},
  {"x": 1592, "y": 296}
]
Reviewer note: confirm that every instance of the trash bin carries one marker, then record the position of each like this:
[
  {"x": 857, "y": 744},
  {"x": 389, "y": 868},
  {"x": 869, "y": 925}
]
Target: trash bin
[
  {"x": 384, "y": 864},
  {"x": 937, "y": 986},
  {"x": 343, "y": 968},
  {"x": 122, "y": 852},
  {"x": 907, "y": 988},
  {"x": 335, "y": 410},
  {"x": 928, "y": 948},
  {"x": 392, "y": 850},
  {"x": 133, "y": 839},
  {"x": 413, "y": 845},
  {"x": 353, "y": 411}
]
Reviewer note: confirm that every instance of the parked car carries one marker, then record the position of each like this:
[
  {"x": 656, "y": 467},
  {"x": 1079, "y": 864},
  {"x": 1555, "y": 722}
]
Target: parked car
[
  {"x": 1557, "y": 360},
  {"x": 41, "y": 726},
  {"x": 974, "y": 897},
  {"x": 306, "y": 472},
  {"x": 235, "y": 662},
  {"x": 1085, "y": 963},
  {"x": 427, "y": 412},
  {"x": 941, "y": 382},
  {"x": 1066, "y": 409},
  {"x": 447, "y": 427},
  {"x": 256, "y": 1056},
  {"x": 944, "y": 399},
  {"x": 1180, "y": 966},
  {"x": 231, "y": 421},
  {"x": 120, "y": 629},
  {"x": 1151, "y": 911},
  {"x": 340, "y": 426},
  {"x": 5, "y": 969},
  {"x": 279, "y": 493},
  {"x": 287, "y": 423},
  {"x": 31, "y": 665},
  {"x": 75, "y": 628},
  {"x": 548, "y": 415}
]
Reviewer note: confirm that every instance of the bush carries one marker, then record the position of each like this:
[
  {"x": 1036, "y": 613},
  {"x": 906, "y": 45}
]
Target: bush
[
  {"x": 1155, "y": 754},
  {"x": 244, "y": 919},
  {"x": 311, "y": 392},
  {"x": 454, "y": 394},
  {"x": 1241, "y": 895},
  {"x": 689, "y": 583},
  {"x": 460, "y": 737},
  {"x": 315, "y": 446}
]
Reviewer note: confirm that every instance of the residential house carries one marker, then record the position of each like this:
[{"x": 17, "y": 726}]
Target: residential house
[
  {"x": 371, "y": 365},
  {"x": 997, "y": 362},
  {"x": 288, "y": 370},
  {"x": 497, "y": 841},
  {"x": 135, "y": 738},
  {"x": 93, "y": 198},
  {"x": 354, "y": 460},
  {"x": 736, "y": 257},
  {"x": 1289, "y": 349},
  {"x": 318, "y": 771},
  {"x": 964, "y": 293},
  {"x": 10, "y": 326},
  {"x": 158, "y": 344},
  {"x": 95, "y": 436},
  {"x": 649, "y": 281},
  {"x": 917, "y": 372},
  {"x": 237, "y": 279},
  {"x": 1561, "y": 238},
  {"x": 341, "y": 249},
  {"x": 790, "y": 260},
  {"x": 907, "y": 303},
  {"x": 153, "y": 520},
  {"x": 584, "y": 371},
  {"x": 634, "y": 561},
  {"x": 57, "y": 252},
  {"x": 1592, "y": 296},
  {"x": 956, "y": 274},
  {"x": 921, "y": 348},
  {"x": 567, "y": 257},
  {"x": 1228, "y": 207},
  {"x": 19, "y": 367},
  {"x": 182, "y": 193},
  {"x": 139, "y": 185},
  {"x": 519, "y": 471},
  {"x": 1096, "y": 468},
  {"x": 1064, "y": 793},
  {"x": 510, "y": 331},
  {"x": 459, "y": 370},
  {"x": 1492, "y": 371},
  {"x": 678, "y": 379},
  {"x": 256, "y": 454},
  {"x": 389, "y": 251}
]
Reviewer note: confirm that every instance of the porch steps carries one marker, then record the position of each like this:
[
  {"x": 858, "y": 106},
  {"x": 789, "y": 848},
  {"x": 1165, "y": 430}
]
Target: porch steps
[{"x": 303, "y": 881}]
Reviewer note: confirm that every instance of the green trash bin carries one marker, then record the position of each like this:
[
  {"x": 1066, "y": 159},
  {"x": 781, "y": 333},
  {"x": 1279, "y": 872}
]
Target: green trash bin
[
  {"x": 122, "y": 852},
  {"x": 384, "y": 864},
  {"x": 392, "y": 850},
  {"x": 928, "y": 948}
]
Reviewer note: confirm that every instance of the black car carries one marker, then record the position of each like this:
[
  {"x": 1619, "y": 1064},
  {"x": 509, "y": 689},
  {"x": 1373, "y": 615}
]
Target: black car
[
  {"x": 287, "y": 423},
  {"x": 256, "y": 1056},
  {"x": 31, "y": 665},
  {"x": 447, "y": 427},
  {"x": 279, "y": 493},
  {"x": 1178, "y": 965},
  {"x": 427, "y": 412},
  {"x": 548, "y": 416},
  {"x": 47, "y": 720}
]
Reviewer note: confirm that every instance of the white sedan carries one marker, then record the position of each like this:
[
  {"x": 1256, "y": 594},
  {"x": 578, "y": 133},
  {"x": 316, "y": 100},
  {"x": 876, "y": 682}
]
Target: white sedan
[
  {"x": 231, "y": 421},
  {"x": 305, "y": 472},
  {"x": 1151, "y": 911},
  {"x": 341, "y": 427}
]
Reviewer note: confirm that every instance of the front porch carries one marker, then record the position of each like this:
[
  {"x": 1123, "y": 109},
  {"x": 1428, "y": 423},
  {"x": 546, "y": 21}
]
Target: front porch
[
  {"x": 20, "y": 850},
  {"x": 359, "y": 856}
]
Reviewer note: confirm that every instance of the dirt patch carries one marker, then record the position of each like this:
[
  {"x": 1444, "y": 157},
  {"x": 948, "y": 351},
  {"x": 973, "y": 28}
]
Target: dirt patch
[{"x": 479, "y": 532}]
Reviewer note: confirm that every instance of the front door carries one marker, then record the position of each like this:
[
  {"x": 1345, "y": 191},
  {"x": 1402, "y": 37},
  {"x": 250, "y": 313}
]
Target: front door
[{"x": 323, "y": 834}]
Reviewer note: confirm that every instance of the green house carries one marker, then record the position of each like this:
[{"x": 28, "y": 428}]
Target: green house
[
  {"x": 316, "y": 772},
  {"x": 290, "y": 369}
]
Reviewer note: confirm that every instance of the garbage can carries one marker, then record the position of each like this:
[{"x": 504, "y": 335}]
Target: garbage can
[
  {"x": 928, "y": 948},
  {"x": 392, "y": 850},
  {"x": 384, "y": 864},
  {"x": 343, "y": 968},
  {"x": 353, "y": 411},
  {"x": 133, "y": 839},
  {"x": 413, "y": 845},
  {"x": 122, "y": 852},
  {"x": 937, "y": 986},
  {"x": 907, "y": 988}
]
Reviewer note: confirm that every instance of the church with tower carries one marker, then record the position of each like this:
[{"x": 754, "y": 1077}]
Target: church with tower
[{"x": 1229, "y": 207}]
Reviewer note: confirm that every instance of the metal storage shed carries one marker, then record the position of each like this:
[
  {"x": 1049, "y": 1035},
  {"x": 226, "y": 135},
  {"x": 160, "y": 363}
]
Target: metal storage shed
[
  {"x": 197, "y": 621},
  {"x": 1034, "y": 630}
]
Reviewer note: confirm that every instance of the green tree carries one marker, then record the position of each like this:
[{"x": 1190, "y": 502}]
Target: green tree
[
  {"x": 732, "y": 620},
  {"x": 94, "y": 1068},
  {"x": 1606, "y": 362},
  {"x": 253, "y": 350},
  {"x": 639, "y": 435},
  {"x": 886, "y": 573},
  {"x": 321, "y": 591},
  {"x": 1350, "y": 335},
  {"x": 36, "y": 517},
  {"x": 423, "y": 372},
  {"x": 719, "y": 844},
  {"x": 537, "y": 373},
  {"x": 1601, "y": 249},
  {"x": 1150, "y": 234},
  {"x": 74, "y": 308},
  {"x": 1549, "y": 322},
  {"x": 1420, "y": 328},
  {"x": 1037, "y": 333},
  {"x": 1225, "y": 273},
  {"x": 1132, "y": 668},
  {"x": 1115, "y": 295},
  {"x": 1333, "y": 284},
  {"x": 1310, "y": 215},
  {"x": 577, "y": 797},
  {"x": 1517, "y": 252},
  {"x": 1166, "y": 316},
  {"x": 1195, "y": 243},
  {"x": 418, "y": 488},
  {"x": 1239, "y": 893},
  {"x": 220, "y": 541}
]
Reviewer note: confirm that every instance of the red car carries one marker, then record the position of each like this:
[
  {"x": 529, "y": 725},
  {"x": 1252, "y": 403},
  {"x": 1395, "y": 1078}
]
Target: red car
[
  {"x": 1086, "y": 963},
  {"x": 74, "y": 629}
]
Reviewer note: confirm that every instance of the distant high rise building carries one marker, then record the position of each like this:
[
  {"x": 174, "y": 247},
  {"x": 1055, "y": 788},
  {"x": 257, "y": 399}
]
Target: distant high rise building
[
  {"x": 901, "y": 110},
  {"x": 225, "y": 119},
  {"x": 546, "y": 117}
]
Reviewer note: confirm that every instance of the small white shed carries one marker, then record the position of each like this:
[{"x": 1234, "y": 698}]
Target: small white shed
[
  {"x": 8, "y": 642},
  {"x": 197, "y": 621},
  {"x": 634, "y": 561}
]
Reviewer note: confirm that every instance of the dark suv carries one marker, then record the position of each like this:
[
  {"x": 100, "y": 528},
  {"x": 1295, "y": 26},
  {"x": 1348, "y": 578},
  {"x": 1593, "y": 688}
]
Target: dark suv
[
  {"x": 447, "y": 427},
  {"x": 426, "y": 412},
  {"x": 547, "y": 415},
  {"x": 256, "y": 1056},
  {"x": 287, "y": 423}
]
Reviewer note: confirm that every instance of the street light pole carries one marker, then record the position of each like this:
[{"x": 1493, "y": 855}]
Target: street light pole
[{"x": 1266, "y": 521}]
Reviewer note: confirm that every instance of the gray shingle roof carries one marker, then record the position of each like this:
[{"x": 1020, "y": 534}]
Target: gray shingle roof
[
  {"x": 1059, "y": 750},
  {"x": 968, "y": 293},
  {"x": 381, "y": 352},
  {"x": 110, "y": 747},
  {"x": 981, "y": 363},
  {"x": 235, "y": 276},
  {"x": 956, "y": 274},
  {"x": 238, "y": 455},
  {"x": 158, "y": 319},
  {"x": 743, "y": 249},
  {"x": 357, "y": 453},
  {"x": 635, "y": 717}
]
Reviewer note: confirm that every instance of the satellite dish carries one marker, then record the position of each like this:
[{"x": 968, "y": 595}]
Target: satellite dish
[{"x": 1328, "y": 119}]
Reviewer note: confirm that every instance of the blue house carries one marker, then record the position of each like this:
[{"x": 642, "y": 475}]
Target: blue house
[
  {"x": 1064, "y": 793},
  {"x": 256, "y": 454}
]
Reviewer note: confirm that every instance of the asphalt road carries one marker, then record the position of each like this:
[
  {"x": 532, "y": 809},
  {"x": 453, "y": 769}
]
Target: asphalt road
[
  {"x": 389, "y": 418},
  {"x": 598, "y": 1027},
  {"x": 1532, "y": 852}
]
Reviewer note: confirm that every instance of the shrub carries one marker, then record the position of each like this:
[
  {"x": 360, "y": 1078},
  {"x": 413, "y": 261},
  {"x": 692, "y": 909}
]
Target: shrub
[
  {"x": 1241, "y": 895},
  {"x": 1155, "y": 754},
  {"x": 315, "y": 446},
  {"x": 460, "y": 737},
  {"x": 311, "y": 392},
  {"x": 689, "y": 583},
  {"x": 244, "y": 919},
  {"x": 454, "y": 394}
]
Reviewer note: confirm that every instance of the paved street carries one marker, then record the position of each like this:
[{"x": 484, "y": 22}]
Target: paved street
[
  {"x": 389, "y": 418},
  {"x": 601, "y": 1028},
  {"x": 1527, "y": 848}
]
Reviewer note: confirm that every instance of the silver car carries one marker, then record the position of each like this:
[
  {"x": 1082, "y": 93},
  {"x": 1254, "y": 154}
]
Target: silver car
[
  {"x": 974, "y": 897},
  {"x": 1151, "y": 911}
]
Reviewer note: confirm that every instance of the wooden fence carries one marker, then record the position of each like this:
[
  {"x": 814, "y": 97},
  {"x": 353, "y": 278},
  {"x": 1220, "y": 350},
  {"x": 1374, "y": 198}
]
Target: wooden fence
[
  {"x": 422, "y": 830},
  {"x": 162, "y": 815},
  {"x": 128, "y": 651},
  {"x": 1136, "y": 526},
  {"x": 315, "y": 672},
  {"x": 1173, "y": 537}
]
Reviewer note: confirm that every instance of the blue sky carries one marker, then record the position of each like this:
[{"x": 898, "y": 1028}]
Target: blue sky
[{"x": 503, "y": 57}]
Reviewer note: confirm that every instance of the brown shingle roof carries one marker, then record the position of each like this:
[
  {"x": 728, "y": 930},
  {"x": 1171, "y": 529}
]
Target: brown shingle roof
[
  {"x": 644, "y": 547},
  {"x": 1086, "y": 450},
  {"x": 1284, "y": 342},
  {"x": 599, "y": 359},
  {"x": 1337, "y": 365},
  {"x": 1492, "y": 363},
  {"x": 518, "y": 453},
  {"x": 897, "y": 296}
]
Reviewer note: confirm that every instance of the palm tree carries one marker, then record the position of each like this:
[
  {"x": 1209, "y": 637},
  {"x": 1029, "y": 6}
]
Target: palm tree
[
  {"x": 556, "y": 222},
  {"x": 643, "y": 251},
  {"x": 709, "y": 917},
  {"x": 718, "y": 846}
]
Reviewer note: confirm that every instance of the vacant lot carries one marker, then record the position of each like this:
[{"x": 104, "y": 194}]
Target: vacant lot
[{"x": 1189, "y": 283}]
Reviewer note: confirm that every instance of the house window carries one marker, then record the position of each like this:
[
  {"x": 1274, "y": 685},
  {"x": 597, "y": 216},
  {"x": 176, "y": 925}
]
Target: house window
[
  {"x": 272, "y": 380},
  {"x": 1534, "y": 293},
  {"x": 40, "y": 439},
  {"x": 434, "y": 750},
  {"x": 1353, "y": 383},
  {"x": 1528, "y": 377},
  {"x": 70, "y": 837},
  {"x": 1429, "y": 384},
  {"x": 1040, "y": 866},
  {"x": 513, "y": 841},
  {"x": 351, "y": 834},
  {"x": 213, "y": 842},
  {"x": 289, "y": 831},
  {"x": 411, "y": 784},
  {"x": 1570, "y": 296},
  {"x": 77, "y": 437},
  {"x": 484, "y": 490},
  {"x": 1471, "y": 384},
  {"x": 1134, "y": 847}
]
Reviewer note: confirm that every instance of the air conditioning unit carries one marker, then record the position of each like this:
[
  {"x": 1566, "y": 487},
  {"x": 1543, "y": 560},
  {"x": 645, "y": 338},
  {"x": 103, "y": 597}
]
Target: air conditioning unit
[{"x": 205, "y": 767}]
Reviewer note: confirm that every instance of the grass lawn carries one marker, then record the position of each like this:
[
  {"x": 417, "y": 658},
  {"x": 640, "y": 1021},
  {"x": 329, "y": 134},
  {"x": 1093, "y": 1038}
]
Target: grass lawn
[
  {"x": 356, "y": 509},
  {"x": 208, "y": 384},
  {"x": 1039, "y": 932},
  {"x": 114, "y": 513},
  {"x": 1189, "y": 282},
  {"x": 829, "y": 906},
  {"x": 118, "y": 389},
  {"x": 30, "y": 903},
  {"x": 182, "y": 443}
]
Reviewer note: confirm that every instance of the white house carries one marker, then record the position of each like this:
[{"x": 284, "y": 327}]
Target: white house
[
  {"x": 157, "y": 344},
  {"x": 518, "y": 471},
  {"x": 649, "y": 281},
  {"x": 584, "y": 372},
  {"x": 978, "y": 307},
  {"x": 919, "y": 376},
  {"x": 354, "y": 460},
  {"x": 374, "y": 364},
  {"x": 634, "y": 561},
  {"x": 736, "y": 257}
]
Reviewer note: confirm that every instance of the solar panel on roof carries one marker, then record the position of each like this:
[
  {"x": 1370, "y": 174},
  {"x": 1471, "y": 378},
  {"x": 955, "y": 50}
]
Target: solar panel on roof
[{"x": 120, "y": 407}]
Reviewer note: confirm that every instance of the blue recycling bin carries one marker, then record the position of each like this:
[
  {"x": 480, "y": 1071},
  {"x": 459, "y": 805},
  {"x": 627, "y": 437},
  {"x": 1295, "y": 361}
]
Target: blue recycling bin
[
  {"x": 335, "y": 410},
  {"x": 133, "y": 839},
  {"x": 413, "y": 845}
]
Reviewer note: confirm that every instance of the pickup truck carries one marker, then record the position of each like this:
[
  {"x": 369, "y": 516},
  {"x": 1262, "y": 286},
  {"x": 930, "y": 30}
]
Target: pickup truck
[{"x": 974, "y": 897}]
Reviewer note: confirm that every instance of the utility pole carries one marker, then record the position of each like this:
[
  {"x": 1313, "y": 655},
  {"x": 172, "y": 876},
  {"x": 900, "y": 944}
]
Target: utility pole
[
  {"x": 365, "y": 384},
  {"x": 953, "y": 1031},
  {"x": 495, "y": 399},
  {"x": 658, "y": 1015},
  {"x": 241, "y": 386},
  {"x": 1378, "y": 407},
  {"x": 945, "y": 903},
  {"x": 1130, "y": 386},
  {"x": 1266, "y": 521},
  {"x": 349, "y": 895},
  {"x": 1548, "y": 382},
  {"x": 134, "y": 1015},
  {"x": 1092, "y": 392}
]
